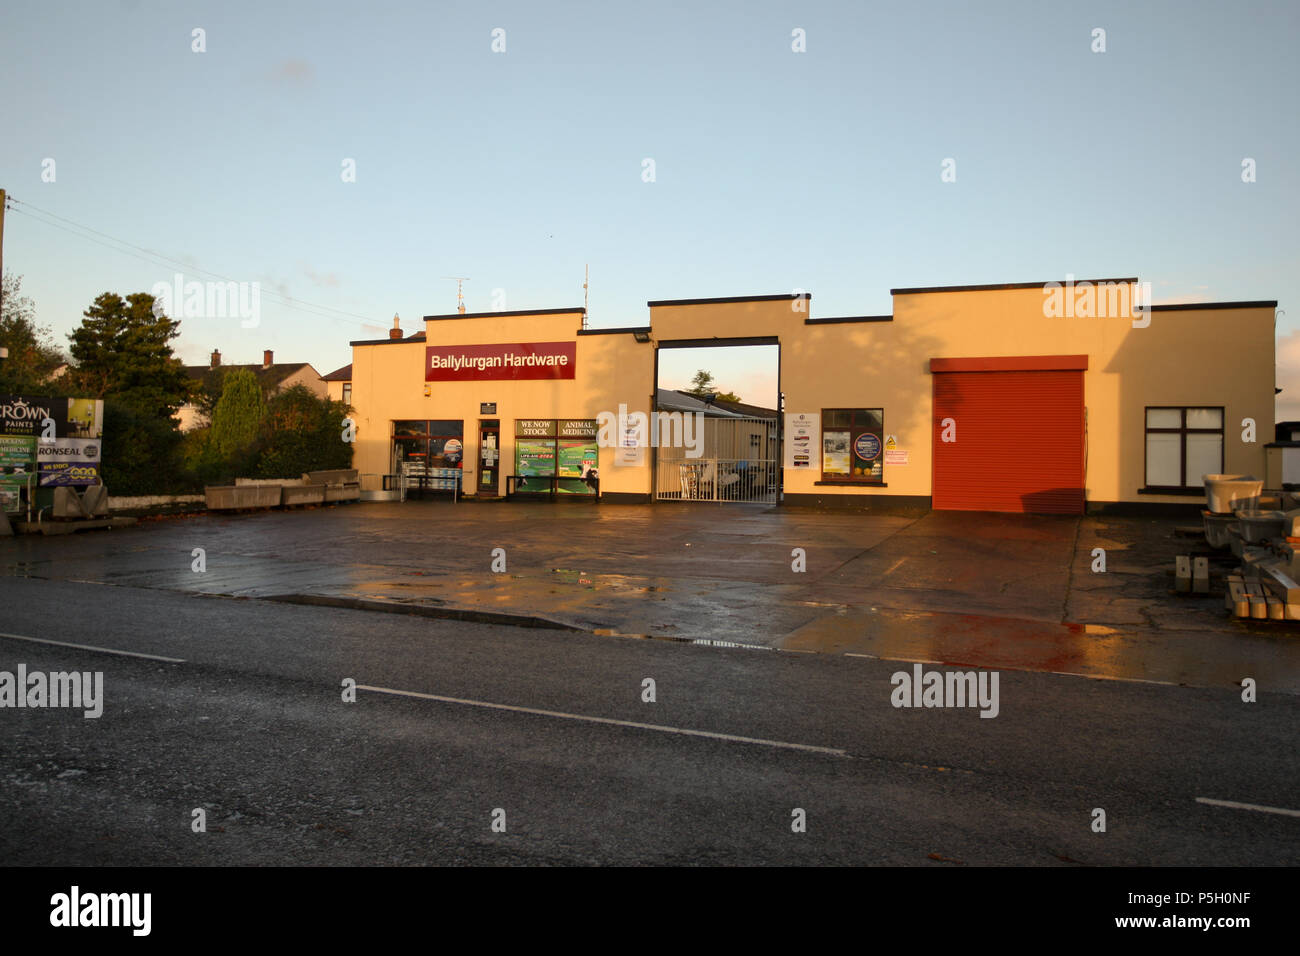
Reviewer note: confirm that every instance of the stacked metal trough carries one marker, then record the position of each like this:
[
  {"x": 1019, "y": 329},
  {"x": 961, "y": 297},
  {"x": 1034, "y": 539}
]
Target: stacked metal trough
[
  {"x": 1262, "y": 529},
  {"x": 313, "y": 488}
]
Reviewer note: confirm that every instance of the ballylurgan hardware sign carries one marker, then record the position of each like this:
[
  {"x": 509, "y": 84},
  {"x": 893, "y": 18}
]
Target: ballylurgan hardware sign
[{"x": 517, "y": 361}]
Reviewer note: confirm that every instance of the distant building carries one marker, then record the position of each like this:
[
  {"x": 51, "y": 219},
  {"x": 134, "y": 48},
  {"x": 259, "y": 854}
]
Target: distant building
[
  {"x": 338, "y": 384},
  {"x": 271, "y": 375},
  {"x": 736, "y": 408}
]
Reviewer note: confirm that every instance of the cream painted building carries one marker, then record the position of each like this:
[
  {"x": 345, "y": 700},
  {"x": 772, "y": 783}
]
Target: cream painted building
[
  {"x": 1021, "y": 397},
  {"x": 271, "y": 375}
]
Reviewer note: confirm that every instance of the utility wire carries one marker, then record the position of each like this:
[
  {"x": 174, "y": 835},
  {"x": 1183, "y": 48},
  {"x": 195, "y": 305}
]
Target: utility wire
[{"x": 156, "y": 258}]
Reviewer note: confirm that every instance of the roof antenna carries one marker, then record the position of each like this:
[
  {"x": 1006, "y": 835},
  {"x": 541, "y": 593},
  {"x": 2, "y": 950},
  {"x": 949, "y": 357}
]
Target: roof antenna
[
  {"x": 586, "y": 279},
  {"x": 460, "y": 295}
]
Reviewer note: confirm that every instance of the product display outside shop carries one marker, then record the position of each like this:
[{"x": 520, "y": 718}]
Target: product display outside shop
[
  {"x": 17, "y": 464},
  {"x": 56, "y": 440}
]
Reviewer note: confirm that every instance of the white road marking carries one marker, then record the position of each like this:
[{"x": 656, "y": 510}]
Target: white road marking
[
  {"x": 1233, "y": 804},
  {"x": 905, "y": 660},
  {"x": 89, "y": 647},
  {"x": 608, "y": 720},
  {"x": 1126, "y": 680}
]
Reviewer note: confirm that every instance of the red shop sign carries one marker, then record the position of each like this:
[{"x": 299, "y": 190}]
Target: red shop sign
[{"x": 479, "y": 363}]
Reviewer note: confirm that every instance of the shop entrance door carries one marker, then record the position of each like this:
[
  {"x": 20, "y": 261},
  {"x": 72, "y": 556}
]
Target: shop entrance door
[{"x": 489, "y": 457}]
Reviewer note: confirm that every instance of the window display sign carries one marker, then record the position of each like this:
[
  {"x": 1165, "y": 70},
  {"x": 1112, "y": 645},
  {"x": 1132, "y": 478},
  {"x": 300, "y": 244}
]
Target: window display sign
[
  {"x": 535, "y": 457},
  {"x": 853, "y": 444},
  {"x": 835, "y": 453},
  {"x": 566, "y": 450},
  {"x": 514, "y": 362},
  {"x": 577, "y": 458},
  {"x": 867, "y": 447}
]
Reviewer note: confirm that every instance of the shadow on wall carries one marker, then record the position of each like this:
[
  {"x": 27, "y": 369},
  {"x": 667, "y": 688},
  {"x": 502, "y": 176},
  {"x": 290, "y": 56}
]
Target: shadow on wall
[
  {"x": 890, "y": 369},
  {"x": 1053, "y": 501}
]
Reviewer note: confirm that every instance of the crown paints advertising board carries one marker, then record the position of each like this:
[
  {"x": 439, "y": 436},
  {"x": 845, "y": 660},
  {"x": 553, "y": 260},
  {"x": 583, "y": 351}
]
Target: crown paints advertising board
[
  {"x": 47, "y": 441},
  {"x": 26, "y": 414},
  {"x": 514, "y": 362}
]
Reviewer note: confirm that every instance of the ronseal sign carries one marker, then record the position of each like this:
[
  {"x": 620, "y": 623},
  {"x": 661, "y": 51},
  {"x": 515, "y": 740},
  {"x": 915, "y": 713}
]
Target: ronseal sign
[
  {"x": 513, "y": 362},
  {"x": 79, "y": 450},
  {"x": 68, "y": 461}
]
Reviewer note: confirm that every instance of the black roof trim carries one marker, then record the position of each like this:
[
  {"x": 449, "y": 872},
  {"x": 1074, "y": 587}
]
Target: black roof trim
[
  {"x": 997, "y": 287},
  {"x": 409, "y": 341},
  {"x": 1193, "y": 306},
  {"x": 629, "y": 329},
  {"x": 839, "y": 319},
  {"x": 731, "y": 298},
  {"x": 490, "y": 315}
]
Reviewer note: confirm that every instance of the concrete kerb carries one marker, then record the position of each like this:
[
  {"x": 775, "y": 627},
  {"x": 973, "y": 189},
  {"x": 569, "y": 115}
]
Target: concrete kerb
[{"x": 425, "y": 610}]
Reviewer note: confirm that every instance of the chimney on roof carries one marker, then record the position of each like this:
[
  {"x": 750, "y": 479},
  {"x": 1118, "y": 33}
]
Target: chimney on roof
[
  {"x": 267, "y": 358},
  {"x": 216, "y": 358},
  {"x": 396, "y": 331}
]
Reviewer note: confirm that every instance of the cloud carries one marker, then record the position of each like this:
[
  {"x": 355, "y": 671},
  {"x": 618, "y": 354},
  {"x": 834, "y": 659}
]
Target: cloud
[
  {"x": 328, "y": 281},
  {"x": 292, "y": 73}
]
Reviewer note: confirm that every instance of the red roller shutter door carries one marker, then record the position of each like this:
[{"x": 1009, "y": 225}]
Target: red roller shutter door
[{"x": 1020, "y": 441}]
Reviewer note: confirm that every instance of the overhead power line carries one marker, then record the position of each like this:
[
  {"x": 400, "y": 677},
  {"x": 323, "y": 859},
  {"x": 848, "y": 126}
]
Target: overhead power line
[{"x": 159, "y": 259}]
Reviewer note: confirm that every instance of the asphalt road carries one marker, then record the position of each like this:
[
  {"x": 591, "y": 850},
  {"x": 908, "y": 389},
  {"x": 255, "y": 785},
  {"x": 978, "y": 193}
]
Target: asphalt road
[{"x": 250, "y": 726}]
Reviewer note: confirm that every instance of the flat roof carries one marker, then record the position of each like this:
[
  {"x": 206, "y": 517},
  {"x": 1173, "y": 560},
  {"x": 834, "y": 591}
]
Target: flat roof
[
  {"x": 630, "y": 328},
  {"x": 837, "y": 319},
  {"x": 786, "y": 296},
  {"x": 490, "y": 315},
  {"x": 1192, "y": 306},
  {"x": 1003, "y": 286}
]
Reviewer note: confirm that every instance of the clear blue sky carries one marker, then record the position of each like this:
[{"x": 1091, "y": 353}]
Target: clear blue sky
[{"x": 774, "y": 170}]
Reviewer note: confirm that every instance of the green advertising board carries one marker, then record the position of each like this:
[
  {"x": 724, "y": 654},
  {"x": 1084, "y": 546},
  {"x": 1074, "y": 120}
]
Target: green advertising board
[
  {"x": 17, "y": 452},
  {"x": 535, "y": 457},
  {"x": 17, "y": 463}
]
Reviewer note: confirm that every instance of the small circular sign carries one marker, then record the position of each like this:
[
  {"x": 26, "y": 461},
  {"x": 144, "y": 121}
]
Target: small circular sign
[{"x": 867, "y": 447}]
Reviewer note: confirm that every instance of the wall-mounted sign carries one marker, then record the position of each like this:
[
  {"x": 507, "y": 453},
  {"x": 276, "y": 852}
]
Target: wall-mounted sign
[
  {"x": 578, "y": 428},
  {"x": 801, "y": 429},
  {"x": 893, "y": 454},
  {"x": 487, "y": 408},
  {"x": 535, "y": 427},
  {"x": 632, "y": 442},
  {"x": 518, "y": 361}
]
